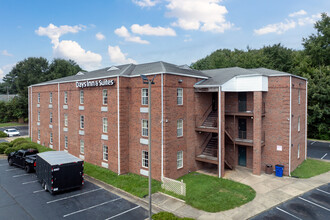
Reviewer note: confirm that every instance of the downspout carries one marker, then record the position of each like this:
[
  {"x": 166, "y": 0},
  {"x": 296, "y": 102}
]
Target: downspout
[
  {"x": 31, "y": 115},
  {"x": 219, "y": 134},
  {"x": 29, "y": 110},
  {"x": 290, "y": 141},
  {"x": 58, "y": 116},
  {"x": 118, "y": 118},
  {"x": 162, "y": 121},
  {"x": 306, "y": 113}
]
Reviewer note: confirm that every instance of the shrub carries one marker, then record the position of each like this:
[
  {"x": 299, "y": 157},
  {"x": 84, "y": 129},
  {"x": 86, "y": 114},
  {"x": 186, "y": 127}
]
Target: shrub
[
  {"x": 3, "y": 134},
  {"x": 18, "y": 143},
  {"x": 3, "y": 147},
  {"x": 11, "y": 144}
]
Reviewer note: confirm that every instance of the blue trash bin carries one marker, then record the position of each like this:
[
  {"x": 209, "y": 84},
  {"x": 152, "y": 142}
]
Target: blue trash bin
[{"x": 279, "y": 170}]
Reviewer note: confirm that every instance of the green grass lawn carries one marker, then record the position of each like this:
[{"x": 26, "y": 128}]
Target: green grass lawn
[
  {"x": 214, "y": 194},
  {"x": 131, "y": 183},
  {"x": 310, "y": 168},
  {"x": 11, "y": 124}
]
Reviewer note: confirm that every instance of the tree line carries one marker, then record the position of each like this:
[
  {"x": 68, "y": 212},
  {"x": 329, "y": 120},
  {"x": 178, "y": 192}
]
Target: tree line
[
  {"x": 30, "y": 71},
  {"x": 312, "y": 63}
]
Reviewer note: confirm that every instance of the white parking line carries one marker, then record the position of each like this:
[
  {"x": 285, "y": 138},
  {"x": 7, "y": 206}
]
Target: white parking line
[
  {"x": 72, "y": 213},
  {"x": 68, "y": 197},
  {"x": 21, "y": 175},
  {"x": 39, "y": 191},
  {"x": 323, "y": 191},
  {"x": 11, "y": 169},
  {"x": 30, "y": 182},
  {"x": 288, "y": 213},
  {"x": 123, "y": 212},
  {"x": 324, "y": 156},
  {"x": 315, "y": 204},
  {"x": 313, "y": 142}
]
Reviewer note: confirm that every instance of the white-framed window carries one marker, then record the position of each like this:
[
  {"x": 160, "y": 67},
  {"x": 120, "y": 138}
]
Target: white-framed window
[
  {"x": 145, "y": 159},
  {"x": 66, "y": 142},
  {"x": 298, "y": 151},
  {"x": 65, "y": 97},
  {"x": 179, "y": 159},
  {"x": 82, "y": 146},
  {"x": 51, "y": 138},
  {"x": 82, "y": 122},
  {"x": 298, "y": 96},
  {"x": 144, "y": 94},
  {"x": 180, "y": 128},
  {"x": 39, "y": 97},
  {"x": 38, "y": 115},
  {"x": 298, "y": 123},
  {"x": 105, "y": 96},
  {"x": 105, "y": 152},
  {"x": 105, "y": 125},
  {"x": 38, "y": 134},
  {"x": 50, "y": 97},
  {"x": 144, "y": 127},
  {"x": 179, "y": 93},
  {"x": 81, "y": 96},
  {"x": 66, "y": 122},
  {"x": 51, "y": 117}
]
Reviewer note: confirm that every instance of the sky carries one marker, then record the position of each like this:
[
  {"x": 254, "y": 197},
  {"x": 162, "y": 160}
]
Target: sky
[{"x": 101, "y": 33}]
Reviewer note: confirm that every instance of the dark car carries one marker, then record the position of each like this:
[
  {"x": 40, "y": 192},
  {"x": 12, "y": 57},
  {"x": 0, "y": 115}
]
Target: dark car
[{"x": 25, "y": 159}]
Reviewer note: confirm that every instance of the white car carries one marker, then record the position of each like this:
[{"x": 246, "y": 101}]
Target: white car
[{"x": 12, "y": 132}]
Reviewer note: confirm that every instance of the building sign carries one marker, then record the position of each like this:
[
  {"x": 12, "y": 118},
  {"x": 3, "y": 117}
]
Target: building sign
[{"x": 94, "y": 83}]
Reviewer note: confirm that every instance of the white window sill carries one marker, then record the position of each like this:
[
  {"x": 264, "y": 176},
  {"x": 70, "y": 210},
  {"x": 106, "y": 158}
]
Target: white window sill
[
  {"x": 81, "y": 132},
  {"x": 144, "y": 172},
  {"x": 144, "y": 110},
  {"x": 81, "y": 107},
  {"x": 104, "y": 137},
  {"x": 65, "y": 129},
  {"x": 38, "y": 123},
  {"x": 38, "y": 105},
  {"x": 144, "y": 141},
  {"x": 50, "y": 106},
  {"x": 105, "y": 165},
  {"x": 65, "y": 106},
  {"x": 51, "y": 146},
  {"x": 104, "y": 109},
  {"x": 50, "y": 126}
]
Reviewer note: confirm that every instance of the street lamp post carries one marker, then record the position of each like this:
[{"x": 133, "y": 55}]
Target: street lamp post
[{"x": 145, "y": 80}]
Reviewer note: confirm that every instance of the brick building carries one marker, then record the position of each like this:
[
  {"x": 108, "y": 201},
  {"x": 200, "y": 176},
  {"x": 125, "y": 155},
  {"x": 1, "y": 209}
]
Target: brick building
[{"x": 218, "y": 119}]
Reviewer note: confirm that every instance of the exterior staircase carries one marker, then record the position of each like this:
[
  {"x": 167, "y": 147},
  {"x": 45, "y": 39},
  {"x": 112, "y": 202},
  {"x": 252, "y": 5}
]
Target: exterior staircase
[
  {"x": 211, "y": 148},
  {"x": 211, "y": 120}
]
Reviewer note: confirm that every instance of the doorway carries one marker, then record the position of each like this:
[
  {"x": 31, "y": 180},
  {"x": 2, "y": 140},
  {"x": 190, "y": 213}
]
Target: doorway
[
  {"x": 242, "y": 128},
  {"x": 242, "y": 156},
  {"x": 242, "y": 101},
  {"x": 215, "y": 101}
]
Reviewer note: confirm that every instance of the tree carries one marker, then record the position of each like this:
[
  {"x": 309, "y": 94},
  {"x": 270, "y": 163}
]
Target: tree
[
  {"x": 31, "y": 71},
  {"x": 318, "y": 46}
]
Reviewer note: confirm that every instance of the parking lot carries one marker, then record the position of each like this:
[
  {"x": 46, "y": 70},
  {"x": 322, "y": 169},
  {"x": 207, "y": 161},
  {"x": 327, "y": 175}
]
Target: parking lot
[
  {"x": 21, "y": 197},
  {"x": 24, "y": 130},
  {"x": 318, "y": 150},
  {"x": 314, "y": 204}
]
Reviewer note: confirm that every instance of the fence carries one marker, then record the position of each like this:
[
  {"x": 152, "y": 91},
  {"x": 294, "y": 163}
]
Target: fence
[{"x": 174, "y": 186}]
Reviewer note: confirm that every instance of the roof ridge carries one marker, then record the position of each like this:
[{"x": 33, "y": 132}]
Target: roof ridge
[
  {"x": 162, "y": 65},
  {"x": 128, "y": 66}
]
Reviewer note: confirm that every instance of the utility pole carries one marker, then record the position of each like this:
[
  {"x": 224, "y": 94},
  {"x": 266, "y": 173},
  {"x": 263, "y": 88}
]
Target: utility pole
[{"x": 145, "y": 80}]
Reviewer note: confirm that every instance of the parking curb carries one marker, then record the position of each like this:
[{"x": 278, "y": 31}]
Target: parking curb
[{"x": 124, "y": 194}]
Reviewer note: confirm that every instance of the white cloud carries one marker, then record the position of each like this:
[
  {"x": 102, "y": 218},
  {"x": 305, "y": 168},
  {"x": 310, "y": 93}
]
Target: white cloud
[
  {"x": 154, "y": 31},
  {"x": 5, "y": 53},
  {"x": 298, "y": 13},
  {"x": 100, "y": 36},
  {"x": 145, "y": 3},
  {"x": 309, "y": 20},
  {"x": 1, "y": 74},
  {"x": 123, "y": 32},
  {"x": 118, "y": 57},
  {"x": 70, "y": 49},
  {"x": 4, "y": 70},
  {"x": 278, "y": 28},
  {"x": 204, "y": 15},
  {"x": 281, "y": 27},
  {"x": 54, "y": 32}
]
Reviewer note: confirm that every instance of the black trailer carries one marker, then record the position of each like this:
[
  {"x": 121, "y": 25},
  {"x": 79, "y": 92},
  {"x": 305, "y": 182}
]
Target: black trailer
[{"x": 59, "y": 171}]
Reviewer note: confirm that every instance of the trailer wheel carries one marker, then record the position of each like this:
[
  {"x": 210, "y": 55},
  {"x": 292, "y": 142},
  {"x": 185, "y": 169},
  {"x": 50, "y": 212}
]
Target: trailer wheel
[
  {"x": 27, "y": 168},
  {"x": 10, "y": 162},
  {"x": 44, "y": 186}
]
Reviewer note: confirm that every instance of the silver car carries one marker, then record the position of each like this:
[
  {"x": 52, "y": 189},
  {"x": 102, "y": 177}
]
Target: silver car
[{"x": 12, "y": 132}]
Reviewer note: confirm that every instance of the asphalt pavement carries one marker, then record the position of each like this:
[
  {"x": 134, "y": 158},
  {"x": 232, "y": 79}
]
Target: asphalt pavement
[
  {"x": 22, "y": 197},
  {"x": 318, "y": 150},
  {"x": 314, "y": 205}
]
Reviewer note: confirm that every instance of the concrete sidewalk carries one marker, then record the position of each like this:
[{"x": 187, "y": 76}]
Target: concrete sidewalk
[{"x": 271, "y": 191}]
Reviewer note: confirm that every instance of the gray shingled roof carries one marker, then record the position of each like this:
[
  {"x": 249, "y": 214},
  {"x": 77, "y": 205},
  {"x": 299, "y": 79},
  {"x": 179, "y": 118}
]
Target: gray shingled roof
[
  {"x": 131, "y": 70},
  {"x": 5, "y": 97},
  {"x": 220, "y": 76}
]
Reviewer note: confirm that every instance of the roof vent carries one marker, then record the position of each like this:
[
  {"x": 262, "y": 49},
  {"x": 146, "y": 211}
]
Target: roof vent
[
  {"x": 80, "y": 73},
  {"x": 185, "y": 66},
  {"x": 113, "y": 68}
]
